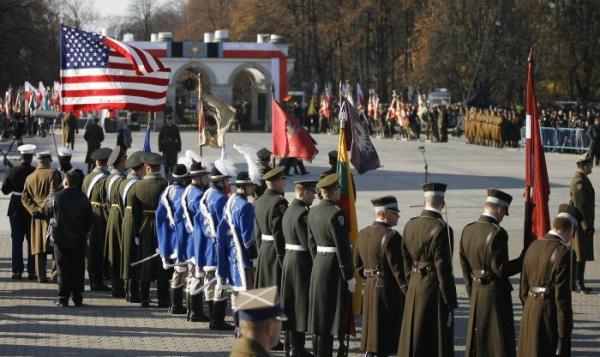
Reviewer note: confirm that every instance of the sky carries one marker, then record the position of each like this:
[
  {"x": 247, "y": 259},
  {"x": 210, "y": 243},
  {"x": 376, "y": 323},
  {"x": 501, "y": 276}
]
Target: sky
[{"x": 111, "y": 7}]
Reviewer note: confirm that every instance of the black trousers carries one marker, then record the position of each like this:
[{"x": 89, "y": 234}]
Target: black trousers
[
  {"x": 162, "y": 287},
  {"x": 70, "y": 265}
]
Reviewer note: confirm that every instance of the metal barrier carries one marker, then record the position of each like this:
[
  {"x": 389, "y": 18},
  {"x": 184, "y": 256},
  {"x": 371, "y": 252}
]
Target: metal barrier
[{"x": 560, "y": 139}]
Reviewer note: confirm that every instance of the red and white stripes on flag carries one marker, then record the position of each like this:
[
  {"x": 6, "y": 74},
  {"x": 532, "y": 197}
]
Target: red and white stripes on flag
[{"x": 98, "y": 72}]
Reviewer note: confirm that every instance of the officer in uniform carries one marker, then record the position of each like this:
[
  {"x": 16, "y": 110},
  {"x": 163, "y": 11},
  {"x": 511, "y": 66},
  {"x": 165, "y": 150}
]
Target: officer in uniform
[
  {"x": 192, "y": 222},
  {"x": 486, "y": 270},
  {"x": 42, "y": 182},
  {"x": 269, "y": 209},
  {"x": 18, "y": 216},
  {"x": 427, "y": 323},
  {"x": 167, "y": 222},
  {"x": 212, "y": 205},
  {"x": 331, "y": 279},
  {"x": 117, "y": 161},
  {"x": 69, "y": 127},
  {"x": 297, "y": 265},
  {"x": 94, "y": 188},
  {"x": 236, "y": 244},
  {"x": 547, "y": 320},
  {"x": 144, "y": 201},
  {"x": 169, "y": 143},
  {"x": 378, "y": 261},
  {"x": 583, "y": 197},
  {"x": 264, "y": 166},
  {"x": 64, "y": 163},
  {"x": 260, "y": 322},
  {"x": 333, "y": 156},
  {"x": 130, "y": 275},
  {"x": 94, "y": 136}
]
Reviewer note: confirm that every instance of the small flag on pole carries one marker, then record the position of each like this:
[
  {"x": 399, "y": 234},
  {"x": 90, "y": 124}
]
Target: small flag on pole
[{"x": 147, "y": 138}]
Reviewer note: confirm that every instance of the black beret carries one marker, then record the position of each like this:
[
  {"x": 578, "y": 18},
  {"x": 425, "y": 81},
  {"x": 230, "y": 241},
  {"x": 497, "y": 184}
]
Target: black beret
[
  {"x": 438, "y": 188},
  {"x": 389, "y": 202},
  {"x": 333, "y": 155},
  {"x": 196, "y": 169},
  {"x": 179, "y": 173}
]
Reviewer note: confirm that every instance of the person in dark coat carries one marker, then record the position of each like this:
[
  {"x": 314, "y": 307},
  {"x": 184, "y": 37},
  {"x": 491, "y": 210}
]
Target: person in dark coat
[
  {"x": 378, "y": 261},
  {"x": 64, "y": 163},
  {"x": 71, "y": 220},
  {"x": 297, "y": 265},
  {"x": 332, "y": 156},
  {"x": 583, "y": 197},
  {"x": 114, "y": 220},
  {"x": 94, "y": 136},
  {"x": 269, "y": 209},
  {"x": 18, "y": 216},
  {"x": 93, "y": 187},
  {"x": 264, "y": 166},
  {"x": 594, "y": 134},
  {"x": 486, "y": 269},
  {"x": 331, "y": 280},
  {"x": 260, "y": 316},
  {"x": 69, "y": 128},
  {"x": 169, "y": 144},
  {"x": 428, "y": 320},
  {"x": 144, "y": 201},
  {"x": 547, "y": 319}
]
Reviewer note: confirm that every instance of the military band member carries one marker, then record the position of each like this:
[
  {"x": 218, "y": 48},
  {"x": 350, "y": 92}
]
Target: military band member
[
  {"x": 260, "y": 322},
  {"x": 236, "y": 243},
  {"x": 331, "y": 279},
  {"x": 192, "y": 221},
  {"x": 212, "y": 205},
  {"x": 18, "y": 216},
  {"x": 486, "y": 270},
  {"x": 378, "y": 261},
  {"x": 547, "y": 320},
  {"x": 427, "y": 323},
  {"x": 583, "y": 197},
  {"x": 167, "y": 221},
  {"x": 144, "y": 201},
  {"x": 94, "y": 136},
  {"x": 64, "y": 162},
  {"x": 297, "y": 265},
  {"x": 93, "y": 187},
  {"x": 42, "y": 182},
  {"x": 269, "y": 209},
  {"x": 130, "y": 275},
  {"x": 117, "y": 161}
]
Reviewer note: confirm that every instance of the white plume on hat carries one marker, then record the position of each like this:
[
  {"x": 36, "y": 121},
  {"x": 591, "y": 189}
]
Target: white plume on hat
[
  {"x": 186, "y": 161},
  {"x": 249, "y": 153},
  {"x": 225, "y": 164},
  {"x": 193, "y": 155}
]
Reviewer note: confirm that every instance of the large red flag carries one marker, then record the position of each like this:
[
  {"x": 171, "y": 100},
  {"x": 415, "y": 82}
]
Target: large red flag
[
  {"x": 290, "y": 139},
  {"x": 537, "y": 190}
]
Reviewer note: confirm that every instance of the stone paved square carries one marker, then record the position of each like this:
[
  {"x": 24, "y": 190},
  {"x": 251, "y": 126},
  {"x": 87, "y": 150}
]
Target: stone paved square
[{"x": 30, "y": 324}]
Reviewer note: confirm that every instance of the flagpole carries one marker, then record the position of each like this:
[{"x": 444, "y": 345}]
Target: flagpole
[
  {"x": 528, "y": 159},
  {"x": 200, "y": 106},
  {"x": 273, "y": 99}
]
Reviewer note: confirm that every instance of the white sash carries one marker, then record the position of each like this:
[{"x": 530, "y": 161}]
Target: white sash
[
  {"x": 189, "y": 224},
  {"x": 206, "y": 213},
  {"x": 95, "y": 180},
  {"x": 164, "y": 198},
  {"x": 113, "y": 179},
  {"x": 126, "y": 189},
  {"x": 236, "y": 240}
]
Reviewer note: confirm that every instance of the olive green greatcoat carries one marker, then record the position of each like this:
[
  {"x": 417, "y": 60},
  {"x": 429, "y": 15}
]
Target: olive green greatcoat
[
  {"x": 269, "y": 209},
  {"x": 246, "y": 347},
  {"x": 583, "y": 197},
  {"x": 329, "y": 297},
  {"x": 144, "y": 201},
  {"x": 112, "y": 249},
  {"x": 69, "y": 125},
  {"x": 297, "y": 265},
  {"x": 544, "y": 319},
  {"x": 97, "y": 235},
  {"x": 484, "y": 246},
  {"x": 378, "y": 261},
  {"x": 38, "y": 186},
  {"x": 127, "y": 233},
  {"x": 428, "y": 323}
]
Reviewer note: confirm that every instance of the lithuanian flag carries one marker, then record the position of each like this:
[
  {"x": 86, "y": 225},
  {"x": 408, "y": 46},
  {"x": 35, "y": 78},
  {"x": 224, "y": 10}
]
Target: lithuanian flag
[{"x": 347, "y": 204}]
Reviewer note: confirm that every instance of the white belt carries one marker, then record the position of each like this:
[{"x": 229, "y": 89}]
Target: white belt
[
  {"x": 322, "y": 249},
  {"x": 265, "y": 237},
  {"x": 295, "y": 247},
  {"x": 17, "y": 193}
]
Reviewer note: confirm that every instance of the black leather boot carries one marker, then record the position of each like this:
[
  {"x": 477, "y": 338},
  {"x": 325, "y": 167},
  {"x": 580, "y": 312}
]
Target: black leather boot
[
  {"x": 217, "y": 317},
  {"x": 134, "y": 290},
  {"x": 197, "y": 313},
  {"x": 176, "y": 307}
]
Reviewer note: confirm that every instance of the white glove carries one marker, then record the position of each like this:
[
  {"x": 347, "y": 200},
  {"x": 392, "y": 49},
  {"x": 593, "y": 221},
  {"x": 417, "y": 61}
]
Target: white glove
[
  {"x": 351, "y": 285},
  {"x": 165, "y": 265},
  {"x": 137, "y": 240},
  {"x": 254, "y": 262}
]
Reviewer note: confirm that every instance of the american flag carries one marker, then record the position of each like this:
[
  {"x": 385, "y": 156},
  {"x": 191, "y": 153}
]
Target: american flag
[{"x": 98, "y": 72}]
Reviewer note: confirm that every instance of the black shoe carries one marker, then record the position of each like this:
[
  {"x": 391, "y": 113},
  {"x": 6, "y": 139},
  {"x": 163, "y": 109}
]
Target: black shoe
[
  {"x": 118, "y": 294},
  {"x": 62, "y": 303},
  {"x": 99, "y": 287},
  {"x": 16, "y": 276},
  {"x": 78, "y": 303},
  {"x": 221, "y": 326},
  {"x": 581, "y": 289},
  {"x": 31, "y": 276},
  {"x": 135, "y": 299},
  {"x": 177, "y": 310},
  {"x": 145, "y": 304}
]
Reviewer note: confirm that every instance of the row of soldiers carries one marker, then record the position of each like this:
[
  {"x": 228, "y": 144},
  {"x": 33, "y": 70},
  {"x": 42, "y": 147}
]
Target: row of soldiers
[{"x": 492, "y": 129}]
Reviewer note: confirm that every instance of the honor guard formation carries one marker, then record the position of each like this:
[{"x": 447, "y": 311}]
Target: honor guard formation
[{"x": 214, "y": 239}]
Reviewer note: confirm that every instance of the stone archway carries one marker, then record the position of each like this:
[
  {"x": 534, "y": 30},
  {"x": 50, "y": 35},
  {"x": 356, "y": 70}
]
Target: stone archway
[{"x": 251, "y": 85}]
